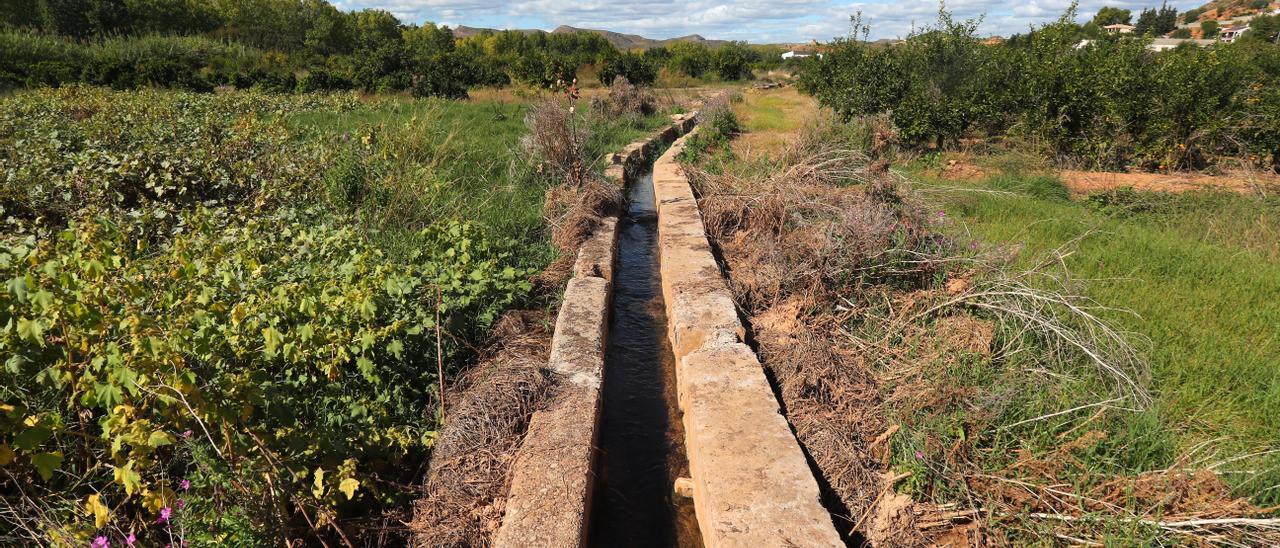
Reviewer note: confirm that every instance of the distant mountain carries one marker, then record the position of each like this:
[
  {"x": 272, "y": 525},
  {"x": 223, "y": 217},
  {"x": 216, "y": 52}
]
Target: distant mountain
[{"x": 621, "y": 41}]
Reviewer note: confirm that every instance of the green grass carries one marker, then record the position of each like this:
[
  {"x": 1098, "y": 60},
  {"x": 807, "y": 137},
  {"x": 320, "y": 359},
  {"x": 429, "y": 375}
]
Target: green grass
[
  {"x": 1200, "y": 271},
  {"x": 406, "y": 164}
]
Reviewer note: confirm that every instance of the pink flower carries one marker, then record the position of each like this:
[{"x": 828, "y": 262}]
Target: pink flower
[
  {"x": 100, "y": 542},
  {"x": 184, "y": 484},
  {"x": 181, "y": 504},
  {"x": 165, "y": 513},
  {"x": 130, "y": 540},
  {"x": 919, "y": 455},
  {"x": 186, "y": 434}
]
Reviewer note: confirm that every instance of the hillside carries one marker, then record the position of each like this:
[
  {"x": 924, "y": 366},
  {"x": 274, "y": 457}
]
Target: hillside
[
  {"x": 619, "y": 40},
  {"x": 1222, "y": 10}
]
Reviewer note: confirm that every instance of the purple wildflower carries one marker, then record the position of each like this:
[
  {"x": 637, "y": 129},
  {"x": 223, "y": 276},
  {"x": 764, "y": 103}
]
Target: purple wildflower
[
  {"x": 100, "y": 542},
  {"x": 184, "y": 484},
  {"x": 165, "y": 513},
  {"x": 187, "y": 434},
  {"x": 919, "y": 455},
  {"x": 130, "y": 540},
  {"x": 181, "y": 504}
]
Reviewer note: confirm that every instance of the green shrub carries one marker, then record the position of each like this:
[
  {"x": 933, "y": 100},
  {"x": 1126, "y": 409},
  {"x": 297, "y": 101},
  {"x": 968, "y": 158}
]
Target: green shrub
[
  {"x": 732, "y": 61},
  {"x": 635, "y": 67},
  {"x": 301, "y": 353},
  {"x": 1110, "y": 103},
  {"x": 179, "y": 302}
]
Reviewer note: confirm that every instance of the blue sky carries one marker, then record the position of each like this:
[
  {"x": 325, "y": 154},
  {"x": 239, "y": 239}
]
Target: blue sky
[{"x": 756, "y": 21}]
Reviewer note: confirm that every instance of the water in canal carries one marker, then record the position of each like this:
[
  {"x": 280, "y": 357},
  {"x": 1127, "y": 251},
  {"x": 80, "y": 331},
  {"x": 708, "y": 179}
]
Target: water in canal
[{"x": 641, "y": 438}]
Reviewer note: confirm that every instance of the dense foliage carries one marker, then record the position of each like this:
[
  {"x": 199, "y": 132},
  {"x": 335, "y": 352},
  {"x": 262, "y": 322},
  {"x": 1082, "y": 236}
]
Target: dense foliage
[
  {"x": 1108, "y": 103},
  {"x": 287, "y": 45},
  {"x": 196, "y": 345}
]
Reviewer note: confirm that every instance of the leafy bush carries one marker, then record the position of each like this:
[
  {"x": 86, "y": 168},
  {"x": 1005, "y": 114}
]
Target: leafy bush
[
  {"x": 64, "y": 151},
  {"x": 732, "y": 61},
  {"x": 690, "y": 58},
  {"x": 278, "y": 361},
  {"x": 196, "y": 348}
]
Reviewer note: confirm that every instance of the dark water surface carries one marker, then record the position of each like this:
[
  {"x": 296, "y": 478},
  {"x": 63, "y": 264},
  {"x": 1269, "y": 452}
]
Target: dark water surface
[{"x": 641, "y": 439}]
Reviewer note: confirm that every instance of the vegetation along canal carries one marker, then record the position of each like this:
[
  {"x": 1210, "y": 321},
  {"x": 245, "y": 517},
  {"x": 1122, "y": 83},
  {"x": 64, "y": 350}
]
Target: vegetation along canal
[{"x": 641, "y": 440}]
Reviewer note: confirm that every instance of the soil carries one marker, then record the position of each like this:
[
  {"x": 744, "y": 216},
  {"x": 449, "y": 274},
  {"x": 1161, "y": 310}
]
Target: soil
[
  {"x": 1087, "y": 182},
  {"x": 1082, "y": 183}
]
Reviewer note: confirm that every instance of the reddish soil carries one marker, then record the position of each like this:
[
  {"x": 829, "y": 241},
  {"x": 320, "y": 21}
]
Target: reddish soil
[{"x": 1087, "y": 182}]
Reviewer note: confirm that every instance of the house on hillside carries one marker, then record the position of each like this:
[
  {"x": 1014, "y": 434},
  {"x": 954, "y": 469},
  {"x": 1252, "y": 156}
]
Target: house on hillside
[
  {"x": 1119, "y": 28},
  {"x": 1230, "y": 34}
]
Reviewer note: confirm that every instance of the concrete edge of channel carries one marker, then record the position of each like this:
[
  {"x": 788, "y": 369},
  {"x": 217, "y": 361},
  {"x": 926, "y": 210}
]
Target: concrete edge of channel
[
  {"x": 752, "y": 485},
  {"x": 552, "y": 477}
]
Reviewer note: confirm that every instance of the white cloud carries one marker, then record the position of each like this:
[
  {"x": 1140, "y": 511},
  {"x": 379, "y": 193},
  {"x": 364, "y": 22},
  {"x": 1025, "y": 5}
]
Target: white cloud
[{"x": 757, "y": 21}]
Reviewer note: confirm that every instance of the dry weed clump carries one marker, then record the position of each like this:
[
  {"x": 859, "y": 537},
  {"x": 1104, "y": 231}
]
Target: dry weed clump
[
  {"x": 572, "y": 213},
  {"x": 625, "y": 99},
  {"x": 466, "y": 486},
  {"x": 557, "y": 140},
  {"x": 862, "y": 311}
]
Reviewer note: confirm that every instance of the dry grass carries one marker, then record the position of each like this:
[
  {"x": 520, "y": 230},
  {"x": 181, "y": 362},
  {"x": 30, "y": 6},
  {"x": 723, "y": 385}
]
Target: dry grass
[
  {"x": 466, "y": 487},
  {"x": 557, "y": 139},
  {"x": 625, "y": 99}
]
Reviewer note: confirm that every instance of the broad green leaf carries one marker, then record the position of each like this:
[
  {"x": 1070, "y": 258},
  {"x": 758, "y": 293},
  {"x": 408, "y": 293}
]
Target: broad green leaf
[
  {"x": 159, "y": 438},
  {"x": 46, "y": 463},
  {"x": 127, "y": 478},
  {"x": 271, "y": 340},
  {"x": 365, "y": 365},
  {"x": 30, "y": 330},
  {"x": 109, "y": 395},
  {"x": 18, "y": 288},
  {"x": 32, "y": 437}
]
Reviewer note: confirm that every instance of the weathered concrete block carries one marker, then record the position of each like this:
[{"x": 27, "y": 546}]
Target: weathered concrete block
[
  {"x": 577, "y": 346},
  {"x": 550, "y": 495},
  {"x": 752, "y": 484},
  {"x": 595, "y": 257}
]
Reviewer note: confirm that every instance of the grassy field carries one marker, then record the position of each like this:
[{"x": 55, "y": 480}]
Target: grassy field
[
  {"x": 1021, "y": 427},
  {"x": 1200, "y": 274},
  {"x": 436, "y": 159},
  {"x": 1195, "y": 278}
]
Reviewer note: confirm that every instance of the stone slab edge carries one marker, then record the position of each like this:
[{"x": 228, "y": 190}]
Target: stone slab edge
[
  {"x": 552, "y": 476},
  {"x": 752, "y": 484}
]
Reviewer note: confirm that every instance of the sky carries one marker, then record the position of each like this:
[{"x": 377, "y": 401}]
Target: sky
[{"x": 755, "y": 21}]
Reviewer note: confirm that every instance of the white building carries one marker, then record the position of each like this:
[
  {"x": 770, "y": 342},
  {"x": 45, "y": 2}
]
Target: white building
[
  {"x": 1119, "y": 28},
  {"x": 1230, "y": 34},
  {"x": 794, "y": 54}
]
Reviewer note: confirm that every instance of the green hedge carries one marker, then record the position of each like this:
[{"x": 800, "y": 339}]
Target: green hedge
[{"x": 1109, "y": 103}]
